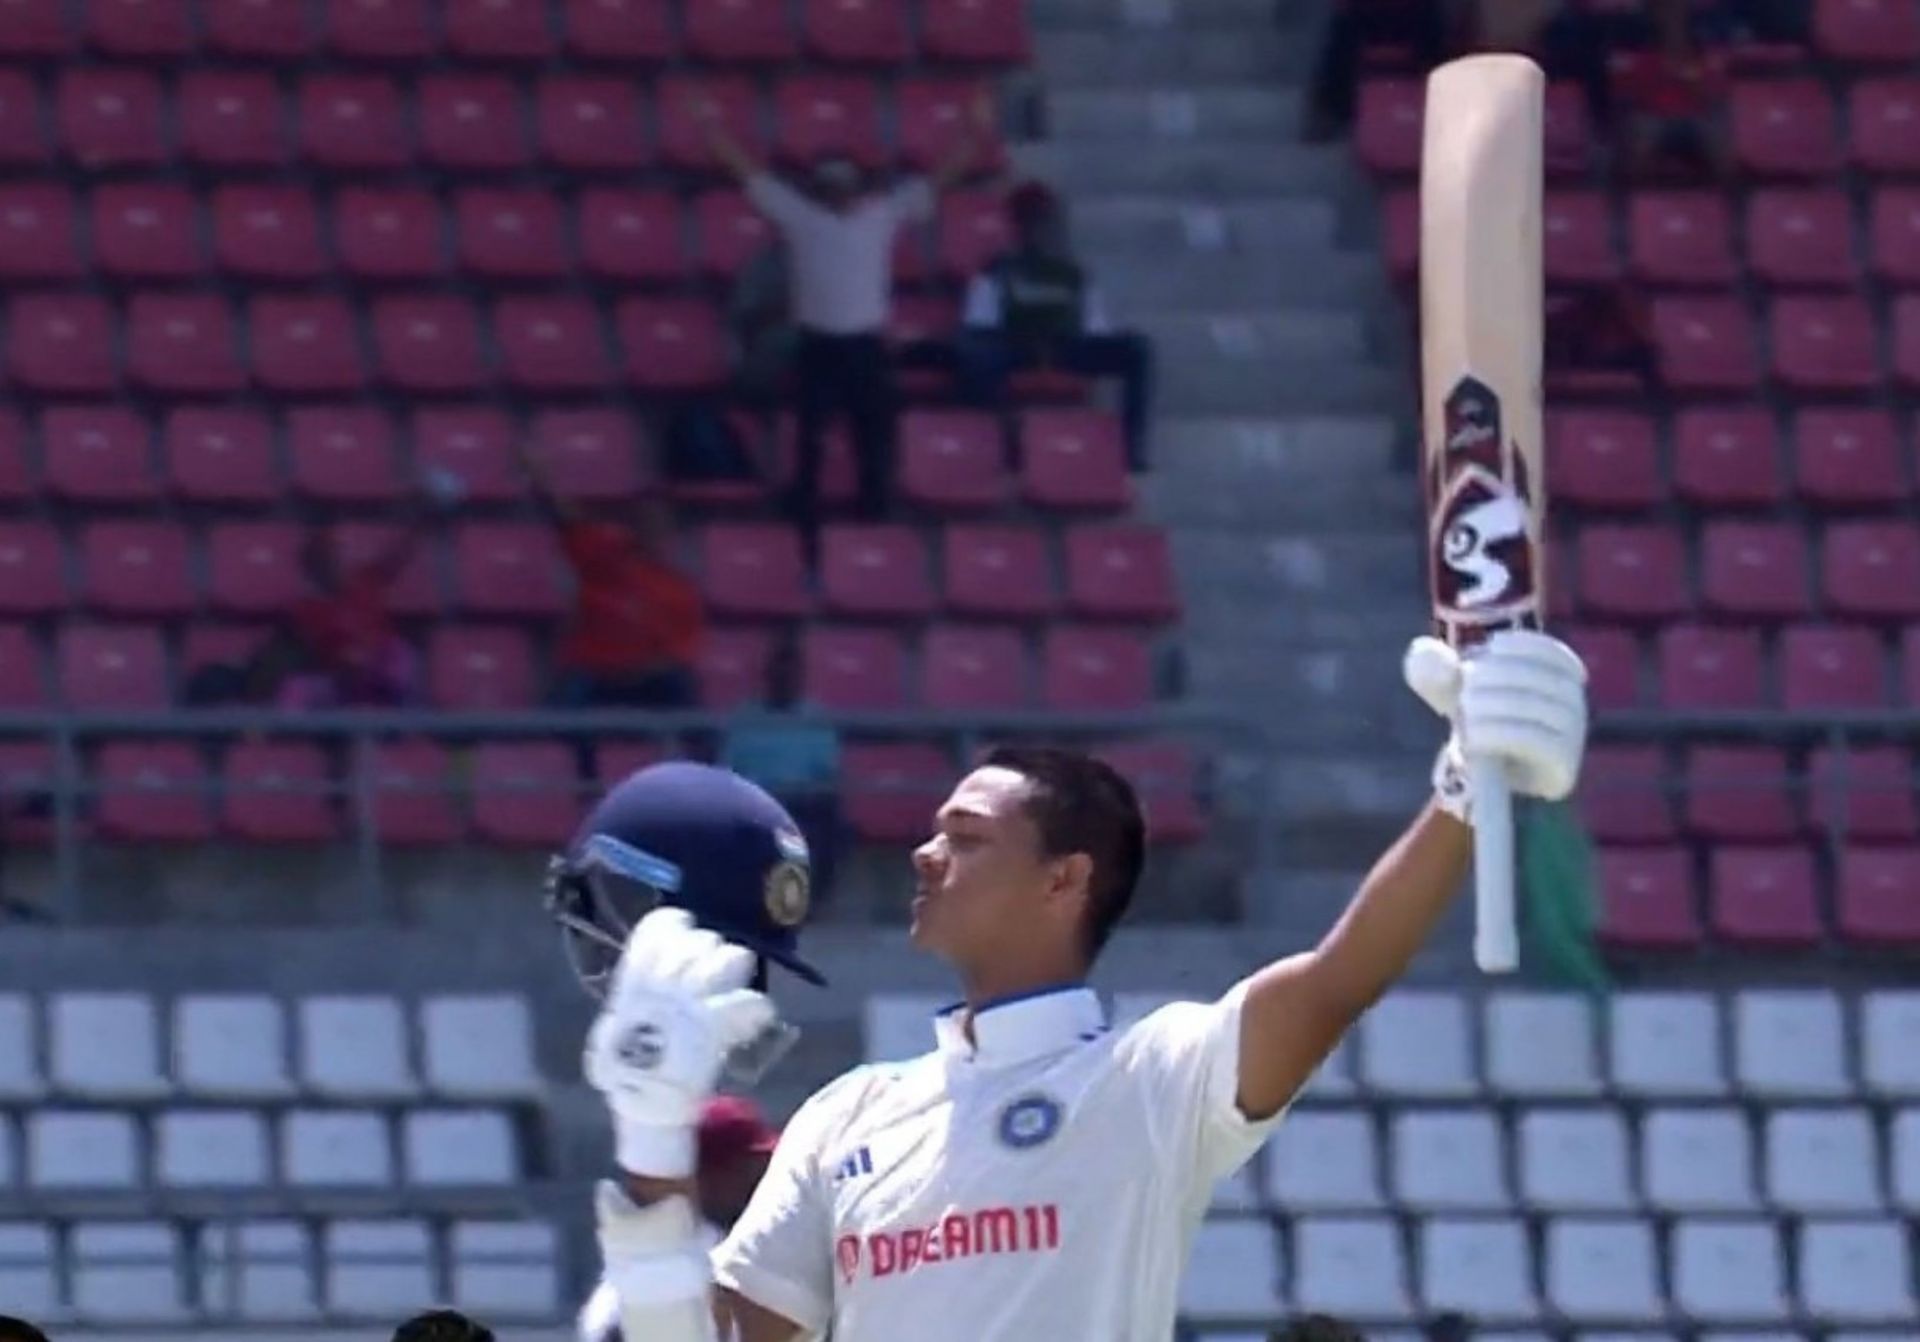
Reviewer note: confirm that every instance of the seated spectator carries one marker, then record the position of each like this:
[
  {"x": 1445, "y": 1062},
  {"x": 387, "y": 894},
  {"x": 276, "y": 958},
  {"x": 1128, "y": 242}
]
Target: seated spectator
[
  {"x": 442, "y": 1325},
  {"x": 1036, "y": 307},
  {"x": 795, "y": 760},
  {"x": 19, "y": 1330},
  {"x": 1672, "y": 92},
  {"x": 342, "y": 648}
]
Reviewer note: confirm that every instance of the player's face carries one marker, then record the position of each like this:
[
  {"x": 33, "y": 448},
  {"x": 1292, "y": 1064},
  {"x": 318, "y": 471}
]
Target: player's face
[{"x": 982, "y": 881}]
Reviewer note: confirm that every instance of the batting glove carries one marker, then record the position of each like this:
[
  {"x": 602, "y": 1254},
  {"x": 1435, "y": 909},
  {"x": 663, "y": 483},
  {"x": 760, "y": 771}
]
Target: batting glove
[
  {"x": 1520, "y": 698},
  {"x": 679, "y": 1003}
]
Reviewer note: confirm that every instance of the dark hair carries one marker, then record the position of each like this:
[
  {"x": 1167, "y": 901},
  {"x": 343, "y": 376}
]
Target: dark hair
[
  {"x": 1083, "y": 805},
  {"x": 442, "y": 1325},
  {"x": 19, "y": 1330},
  {"x": 1318, "y": 1328}
]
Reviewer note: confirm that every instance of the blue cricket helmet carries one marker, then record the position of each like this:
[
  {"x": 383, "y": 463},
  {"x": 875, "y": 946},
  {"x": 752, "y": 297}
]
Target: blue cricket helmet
[{"x": 693, "y": 836}]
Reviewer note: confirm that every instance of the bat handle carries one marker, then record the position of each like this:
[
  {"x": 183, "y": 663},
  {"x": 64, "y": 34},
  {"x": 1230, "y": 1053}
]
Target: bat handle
[{"x": 1496, "y": 934}]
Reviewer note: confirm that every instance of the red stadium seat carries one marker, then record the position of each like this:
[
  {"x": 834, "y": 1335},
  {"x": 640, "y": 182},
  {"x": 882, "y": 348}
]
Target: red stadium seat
[
  {"x": 753, "y": 569},
  {"x": 350, "y": 122},
  {"x": 1906, "y": 341},
  {"x": 146, "y": 231},
  {"x": 1784, "y": 128},
  {"x": 38, "y": 28},
  {"x": 1705, "y": 344},
  {"x": 1165, "y": 776},
  {"x": 988, "y": 31},
  {"x": 484, "y": 668},
  {"x": 588, "y": 454},
  {"x": 251, "y": 28},
  {"x": 136, "y": 568},
  {"x": 973, "y": 230},
  {"x": 1799, "y": 236},
  {"x": 975, "y": 669},
  {"x": 631, "y": 235},
  {"x": 510, "y": 234},
  {"x": 111, "y": 118},
  {"x": 1893, "y": 235},
  {"x": 734, "y": 665},
  {"x": 415, "y": 589},
  {"x": 1872, "y": 568},
  {"x": 1754, "y": 569},
  {"x": 1739, "y": 793},
  {"x": 1705, "y": 668},
  {"x": 893, "y": 789},
  {"x": 473, "y": 445},
  {"x": 872, "y": 32},
  {"x": 613, "y": 761},
  {"x": 473, "y": 123},
  {"x": 1073, "y": 459},
  {"x": 1388, "y": 125},
  {"x": 1909, "y": 690},
  {"x": 22, "y": 136},
  {"x": 1568, "y": 132},
  {"x": 16, "y": 483},
  {"x": 821, "y": 117},
  {"x": 952, "y": 460},
  {"x": 23, "y": 682},
  {"x": 671, "y": 344},
  {"x": 1646, "y": 898},
  {"x": 183, "y": 344},
  {"x": 381, "y": 30},
  {"x": 1825, "y": 344},
  {"x": 1613, "y": 664},
  {"x": 33, "y": 569},
  {"x": 1576, "y": 233},
  {"x": 233, "y": 120},
  {"x": 1625, "y": 794},
  {"x": 1604, "y": 458},
  {"x": 61, "y": 345},
  {"x": 152, "y": 792},
  {"x": 852, "y": 670},
  {"x": 1867, "y": 32},
  {"x": 385, "y": 234},
  {"x": 253, "y": 568},
  {"x": 305, "y": 345},
  {"x": 39, "y": 234},
  {"x": 620, "y": 30},
  {"x": 935, "y": 116},
  {"x": 509, "y": 568},
  {"x": 1400, "y": 234},
  {"x": 1095, "y": 669},
  {"x": 551, "y": 343},
  {"x": 875, "y": 570},
  {"x": 1862, "y": 793},
  {"x": 590, "y": 124},
  {"x": 1831, "y": 667},
  {"x": 998, "y": 571},
  {"x": 343, "y": 454},
  {"x": 97, "y": 456},
  {"x": 488, "y": 30},
  {"x": 525, "y": 793},
  {"x": 1764, "y": 896},
  {"x": 277, "y": 792},
  {"x": 1120, "y": 571},
  {"x": 267, "y": 232},
  {"x": 411, "y": 782},
  {"x": 1727, "y": 457},
  {"x": 1875, "y": 895},
  {"x": 729, "y": 232},
  {"x": 729, "y": 31},
  {"x": 916, "y": 318},
  {"x": 1880, "y": 117},
  {"x": 684, "y": 140},
  {"x": 428, "y": 343},
  {"x": 1632, "y": 570},
  {"x": 106, "y": 667},
  {"x": 1848, "y": 457}
]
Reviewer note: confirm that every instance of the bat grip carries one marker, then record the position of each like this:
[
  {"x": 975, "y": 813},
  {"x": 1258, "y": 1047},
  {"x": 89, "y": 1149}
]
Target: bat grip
[{"x": 1496, "y": 934}]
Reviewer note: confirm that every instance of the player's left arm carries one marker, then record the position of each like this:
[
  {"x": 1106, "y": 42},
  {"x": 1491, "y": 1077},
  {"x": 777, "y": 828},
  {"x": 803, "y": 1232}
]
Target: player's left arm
[{"x": 1521, "y": 699}]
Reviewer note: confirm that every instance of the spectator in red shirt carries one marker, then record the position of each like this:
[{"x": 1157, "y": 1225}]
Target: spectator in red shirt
[
  {"x": 1673, "y": 92},
  {"x": 344, "y": 648}
]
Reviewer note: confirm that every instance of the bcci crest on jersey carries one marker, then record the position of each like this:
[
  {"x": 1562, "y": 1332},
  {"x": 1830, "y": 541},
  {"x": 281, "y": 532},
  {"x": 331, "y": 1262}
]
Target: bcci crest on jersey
[{"x": 1029, "y": 1121}]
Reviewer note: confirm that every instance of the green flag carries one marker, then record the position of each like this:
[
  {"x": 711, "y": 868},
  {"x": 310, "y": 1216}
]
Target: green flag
[{"x": 1559, "y": 906}]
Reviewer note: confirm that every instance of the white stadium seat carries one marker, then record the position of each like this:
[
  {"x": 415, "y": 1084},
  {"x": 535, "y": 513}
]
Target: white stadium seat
[
  {"x": 459, "y": 1148},
  {"x": 899, "y": 1026},
  {"x": 355, "y": 1048},
  {"x": 1418, "y": 1044},
  {"x": 1353, "y": 1265},
  {"x": 29, "y": 1272},
  {"x": 10, "y": 1173},
  {"x": 1324, "y": 1160},
  {"x": 1238, "y": 1192},
  {"x": 1575, "y": 1160},
  {"x": 1234, "y": 1270},
  {"x": 231, "y": 1046},
  {"x": 1906, "y": 1160},
  {"x": 1666, "y": 1045},
  {"x": 1729, "y": 1271},
  {"x": 258, "y": 1271},
  {"x": 1333, "y": 1079},
  {"x": 1859, "y": 1271},
  {"x": 1790, "y": 1043},
  {"x": 378, "y": 1270},
  {"x": 126, "y": 1272},
  {"x": 21, "y": 1076},
  {"x": 1889, "y": 1025},
  {"x": 335, "y": 1149},
  {"x": 1480, "y": 1266},
  {"x": 106, "y": 1046},
  {"x": 74, "y": 1150},
  {"x": 221, "y": 1148},
  {"x": 479, "y": 1047},
  {"x": 505, "y": 1269},
  {"x": 1822, "y": 1160},
  {"x": 1752, "y": 1335},
  {"x": 1697, "y": 1160},
  {"x": 1603, "y": 1270},
  {"x": 1540, "y": 1045},
  {"x": 1448, "y": 1160}
]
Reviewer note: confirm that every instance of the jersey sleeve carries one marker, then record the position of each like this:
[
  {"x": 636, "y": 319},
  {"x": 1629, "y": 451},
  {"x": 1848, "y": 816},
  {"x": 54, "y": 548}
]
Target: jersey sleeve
[{"x": 780, "y": 1252}]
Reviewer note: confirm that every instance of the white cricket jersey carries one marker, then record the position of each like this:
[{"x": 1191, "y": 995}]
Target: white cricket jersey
[
  {"x": 1044, "y": 1183},
  {"x": 840, "y": 265}
]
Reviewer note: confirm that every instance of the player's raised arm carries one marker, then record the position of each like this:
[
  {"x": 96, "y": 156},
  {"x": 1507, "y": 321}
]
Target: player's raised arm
[{"x": 1522, "y": 701}]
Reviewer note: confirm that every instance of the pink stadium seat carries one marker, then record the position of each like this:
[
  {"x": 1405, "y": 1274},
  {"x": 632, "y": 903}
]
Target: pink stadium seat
[
  {"x": 734, "y": 665},
  {"x": 1741, "y": 793},
  {"x": 23, "y": 682},
  {"x": 39, "y": 233},
  {"x": 415, "y": 589},
  {"x": 1613, "y": 664},
  {"x": 1705, "y": 344},
  {"x": 753, "y": 569},
  {"x": 1632, "y": 569},
  {"x": 1646, "y": 898},
  {"x": 1166, "y": 777},
  {"x": 1577, "y": 236},
  {"x": 1400, "y": 234},
  {"x": 875, "y": 570},
  {"x": 16, "y": 477},
  {"x": 111, "y": 666},
  {"x": 671, "y": 344},
  {"x": 1727, "y": 457},
  {"x": 350, "y": 122},
  {"x": 1072, "y": 459},
  {"x": 136, "y": 568},
  {"x": 255, "y": 29},
  {"x": 631, "y": 235},
  {"x": 412, "y": 786},
  {"x": 1906, "y": 341},
  {"x": 381, "y": 30},
  {"x": 388, "y": 234},
  {"x": 472, "y": 444},
  {"x": 1893, "y": 235},
  {"x": 728, "y": 232},
  {"x": 111, "y": 118},
  {"x": 428, "y": 343},
  {"x": 1872, "y": 568},
  {"x": 1864, "y": 793},
  {"x": 305, "y": 344},
  {"x": 145, "y": 230},
  {"x": 989, "y": 31},
  {"x": 525, "y": 793},
  {"x": 683, "y": 136},
  {"x": 490, "y": 31},
  {"x": 827, "y": 116},
  {"x": 508, "y": 568},
  {"x": 998, "y": 571},
  {"x": 60, "y": 344},
  {"x": 1801, "y": 236},
  {"x": 343, "y": 454},
  {"x": 871, "y": 32},
  {"x": 233, "y": 119},
  {"x": 551, "y": 343},
  {"x": 974, "y": 669},
  {"x": 38, "y": 28},
  {"x": 1568, "y": 131},
  {"x": 1120, "y": 571},
  {"x": 1707, "y": 668},
  {"x": 588, "y": 454},
  {"x": 893, "y": 789},
  {"x": 933, "y": 115},
  {"x": 1604, "y": 458},
  {"x": 590, "y": 124},
  {"x": 97, "y": 456},
  {"x": 1909, "y": 690},
  {"x": 729, "y": 31},
  {"x": 253, "y": 568},
  {"x": 183, "y": 343},
  {"x": 952, "y": 460},
  {"x": 1848, "y": 457},
  {"x": 152, "y": 792},
  {"x": 973, "y": 230},
  {"x": 1874, "y": 892},
  {"x": 510, "y": 233},
  {"x": 1095, "y": 669},
  {"x": 473, "y": 122},
  {"x": 615, "y": 760},
  {"x": 1754, "y": 568},
  {"x": 483, "y": 668},
  {"x": 1826, "y": 667},
  {"x": 277, "y": 792},
  {"x": 1389, "y": 123},
  {"x": 838, "y": 478},
  {"x": 851, "y": 670},
  {"x": 1764, "y": 896},
  {"x": 921, "y": 317},
  {"x": 620, "y": 30},
  {"x": 1823, "y": 344},
  {"x": 1626, "y": 794},
  {"x": 33, "y": 569},
  {"x": 1867, "y": 32},
  {"x": 1784, "y": 128},
  {"x": 23, "y": 138},
  {"x": 1880, "y": 117}
]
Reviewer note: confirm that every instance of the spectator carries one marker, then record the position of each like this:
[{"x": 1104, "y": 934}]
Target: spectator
[
  {"x": 1036, "y": 307},
  {"x": 797, "y": 761},
  {"x": 637, "y": 622},
  {"x": 1673, "y": 92},
  {"x": 1419, "y": 28},
  {"x": 760, "y": 317},
  {"x": 839, "y": 234},
  {"x": 342, "y": 648},
  {"x": 442, "y": 1325},
  {"x": 1450, "y": 1326},
  {"x": 1318, "y": 1328},
  {"x": 19, "y": 1330}
]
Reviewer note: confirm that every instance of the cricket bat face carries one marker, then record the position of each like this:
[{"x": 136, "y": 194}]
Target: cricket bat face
[{"x": 1480, "y": 336}]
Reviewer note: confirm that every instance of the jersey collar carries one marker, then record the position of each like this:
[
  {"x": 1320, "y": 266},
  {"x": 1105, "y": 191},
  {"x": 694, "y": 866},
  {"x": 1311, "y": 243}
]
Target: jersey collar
[{"x": 1024, "y": 1026}]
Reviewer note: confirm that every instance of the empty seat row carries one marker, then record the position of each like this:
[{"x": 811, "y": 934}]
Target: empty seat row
[
  {"x": 1692, "y": 667},
  {"x": 1748, "y": 793},
  {"x": 1817, "y": 344},
  {"x": 127, "y": 1046},
  {"x": 279, "y": 1271}
]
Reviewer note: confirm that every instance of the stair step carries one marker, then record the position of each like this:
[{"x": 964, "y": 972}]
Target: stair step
[
  {"x": 1179, "y": 172},
  {"x": 1146, "y": 224},
  {"x": 1259, "y": 112},
  {"x": 1338, "y": 566},
  {"x": 1235, "y": 284},
  {"x": 1160, "y": 15},
  {"x": 1255, "y": 508},
  {"x": 1171, "y": 58}
]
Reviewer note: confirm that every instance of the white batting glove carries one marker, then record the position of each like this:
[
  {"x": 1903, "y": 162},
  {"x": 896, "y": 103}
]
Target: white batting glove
[
  {"x": 1520, "y": 698},
  {"x": 678, "y": 1005}
]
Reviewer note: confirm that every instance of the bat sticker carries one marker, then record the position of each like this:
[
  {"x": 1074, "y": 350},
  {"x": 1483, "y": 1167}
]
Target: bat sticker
[{"x": 1480, "y": 533}]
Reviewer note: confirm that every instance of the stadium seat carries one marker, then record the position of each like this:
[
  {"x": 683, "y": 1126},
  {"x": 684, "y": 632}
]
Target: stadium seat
[
  {"x": 620, "y": 30},
  {"x": 1325, "y": 1160},
  {"x": 1821, "y": 1161},
  {"x": 458, "y": 1148},
  {"x": 1799, "y": 236},
  {"x": 1741, "y": 793},
  {"x": 971, "y": 231},
  {"x": 230, "y": 1046},
  {"x": 39, "y": 28},
  {"x": 21, "y": 1075},
  {"x": 1632, "y": 570},
  {"x": 486, "y": 30},
  {"x": 1845, "y": 457},
  {"x": 892, "y": 789},
  {"x": 39, "y": 233},
  {"x": 1704, "y": 667},
  {"x": 388, "y": 233},
  {"x": 248, "y": 28},
  {"x": 350, "y": 123},
  {"x": 1697, "y": 1160},
  {"x": 1680, "y": 238},
  {"x": 1666, "y": 1045},
  {"x": 509, "y": 233},
  {"x": 136, "y": 568},
  {"x": 1880, "y": 115},
  {"x": 216, "y": 455},
  {"x": 1575, "y": 1160},
  {"x": 1906, "y": 340},
  {"x": 853, "y": 669},
  {"x": 1165, "y": 775},
  {"x": 753, "y": 569},
  {"x": 104, "y": 1047},
  {"x": 104, "y": 667},
  {"x": 1864, "y": 793},
  {"x": 1418, "y": 1044},
  {"x": 1447, "y": 1160},
  {"x": 587, "y": 454},
  {"x": 1728, "y": 1271},
  {"x": 254, "y": 568},
  {"x": 472, "y": 445},
  {"x": 1351, "y": 1266},
  {"x": 276, "y": 792},
  {"x": 23, "y": 137},
  {"x": 1790, "y": 1044},
  {"x": 1705, "y": 344},
  {"x": 1625, "y": 794},
  {"x": 1388, "y": 124},
  {"x": 428, "y": 343},
  {"x": 998, "y": 571},
  {"x": 739, "y": 31},
  {"x": 1482, "y": 1265},
  {"x": 525, "y": 793},
  {"x": 1400, "y": 234},
  {"x": 1120, "y": 571},
  {"x": 551, "y": 345},
  {"x": 343, "y": 454},
  {"x": 381, "y": 30},
  {"x": 153, "y": 792},
  {"x": 1576, "y": 233},
  {"x": 71, "y": 1150},
  {"x": 875, "y": 570},
  {"x": 1893, "y": 235},
  {"x": 61, "y": 345},
  {"x": 683, "y": 137},
  {"x": 1727, "y": 457},
  {"x": 262, "y": 1267},
  {"x": 478, "y": 1046},
  {"x": 127, "y": 1272},
  {"x": 1824, "y": 344},
  {"x": 354, "y": 1048},
  {"x": 1874, "y": 894},
  {"x": 233, "y": 119},
  {"x": 590, "y": 124},
  {"x": 1233, "y": 1270},
  {"x": 975, "y": 668},
  {"x": 505, "y": 1269},
  {"x": 211, "y": 1149},
  {"x": 33, "y": 569},
  {"x": 1093, "y": 669},
  {"x": 183, "y": 344},
  {"x": 336, "y": 1149},
  {"x": 866, "y": 32},
  {"x": 1073, "y": 459},
  {"x": 1888, "y": 1066},
  {"x": 135, "y": 29},
  {"x": 480, "y": 668},
  {"x": 671, "y": 344},
  {"x": 509, "y": 569},
  {"x": 1603, "y": 1270},
  {"x": 1783, "y": 128},
  {"x": 1857, "y": 1270},
  {"x": 631, "y": 235},
  {"x": 23, "y": 679},
  {"x": 1831, "y": 667},
  {"x": 991, "y": 32},
  {"x": 1866, "y": 32},
  {"x": 377, "y": 1269},
  {"x": 1612, "y": 657},
  {"x": 267, "y": 232},
  {"x": 827, "y": 116},
  {"x": 111, "y": 118},
  {"x": 729, "y": 232},
  {"x": 952, "y": 460},
  {"x": 472, "y": 123},
  {"x": 1603, "y": 458},
  {"x": 1872, "y": 569},
  {"x": 1757, "y": 569},
  {"x": 1539, "y": 1045},
  {"x": 733, "y": 665},
  {"x": 412, "y": 804},
  {"x": 1764, "y": 896},
  {"x": 415, "y": 589}
]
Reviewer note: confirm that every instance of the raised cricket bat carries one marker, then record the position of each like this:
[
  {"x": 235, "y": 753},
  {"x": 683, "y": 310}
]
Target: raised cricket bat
[{"x": 1480, "y": 352}]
